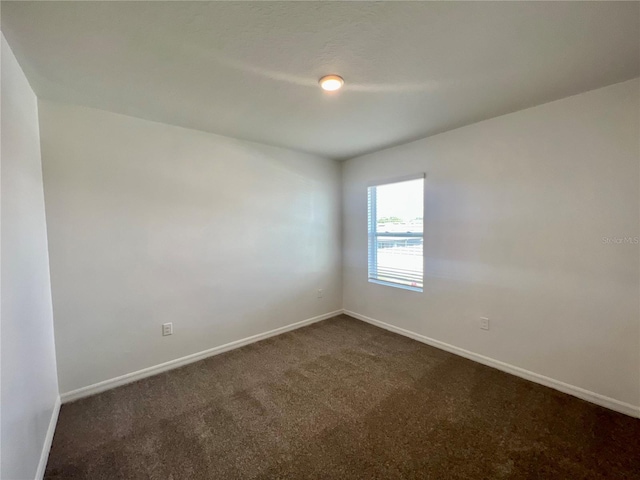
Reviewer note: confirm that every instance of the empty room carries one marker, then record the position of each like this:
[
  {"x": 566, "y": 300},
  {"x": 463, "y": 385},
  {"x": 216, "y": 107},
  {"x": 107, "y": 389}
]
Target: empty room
[{"x": 320, "y": 240}]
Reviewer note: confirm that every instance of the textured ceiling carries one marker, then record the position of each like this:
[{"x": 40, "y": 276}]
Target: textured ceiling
[{"x": 250, "y": 69}]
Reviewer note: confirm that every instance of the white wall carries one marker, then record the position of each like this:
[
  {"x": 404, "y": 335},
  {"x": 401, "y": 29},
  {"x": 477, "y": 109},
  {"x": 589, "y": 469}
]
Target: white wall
[
  {"x": 150, "y": 223},
  {"x": 515, "y": 214},
  {"x": 29, "y": 379}
]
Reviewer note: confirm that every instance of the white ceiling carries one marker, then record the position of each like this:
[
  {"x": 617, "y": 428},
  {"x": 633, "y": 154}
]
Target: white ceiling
[{"x": 250, "y": 69}]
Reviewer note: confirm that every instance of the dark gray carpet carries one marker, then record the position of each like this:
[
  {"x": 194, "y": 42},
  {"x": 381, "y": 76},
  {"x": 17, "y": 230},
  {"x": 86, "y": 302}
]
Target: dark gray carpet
[{"x": 340, "y": 399}]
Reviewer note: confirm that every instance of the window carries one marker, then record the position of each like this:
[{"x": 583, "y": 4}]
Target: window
[{"x": 396, "y": 233}]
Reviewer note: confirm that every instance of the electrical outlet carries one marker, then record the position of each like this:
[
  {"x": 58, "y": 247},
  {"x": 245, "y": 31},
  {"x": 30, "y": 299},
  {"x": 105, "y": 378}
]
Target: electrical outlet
[
  {"x": 167, "y": 329},
  {"x": 320, "y": 293},
  {"x": 484, "y": 323}
]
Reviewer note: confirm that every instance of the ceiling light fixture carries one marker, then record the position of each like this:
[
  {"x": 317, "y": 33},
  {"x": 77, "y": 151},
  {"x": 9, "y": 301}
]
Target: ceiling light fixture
[{"x": 331, "y": 83}]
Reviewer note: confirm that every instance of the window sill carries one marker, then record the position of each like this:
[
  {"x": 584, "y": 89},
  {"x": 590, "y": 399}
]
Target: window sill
[{"x": 396, "y": 285}]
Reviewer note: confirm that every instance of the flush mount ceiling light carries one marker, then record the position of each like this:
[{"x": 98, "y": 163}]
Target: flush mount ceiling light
[{"x": 331, "y": 83}]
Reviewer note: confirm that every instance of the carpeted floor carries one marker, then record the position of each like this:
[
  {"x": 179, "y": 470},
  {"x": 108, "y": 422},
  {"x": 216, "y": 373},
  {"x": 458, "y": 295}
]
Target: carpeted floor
[{"x": 340, "y": 399}]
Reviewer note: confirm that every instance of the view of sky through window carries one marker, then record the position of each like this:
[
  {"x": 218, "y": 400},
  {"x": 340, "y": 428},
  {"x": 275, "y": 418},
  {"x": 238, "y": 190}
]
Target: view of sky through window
[{"x": 403, "y": 200}]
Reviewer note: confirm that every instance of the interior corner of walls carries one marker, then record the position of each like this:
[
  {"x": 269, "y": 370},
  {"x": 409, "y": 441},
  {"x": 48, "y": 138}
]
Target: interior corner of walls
[
  {"x": 48, "y": 440},
  {"x": 27, "y": 318}
]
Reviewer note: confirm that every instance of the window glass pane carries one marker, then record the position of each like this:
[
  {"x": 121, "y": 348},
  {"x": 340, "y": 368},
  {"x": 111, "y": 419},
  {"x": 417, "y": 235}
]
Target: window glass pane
[{"x": 396, "y": 233}]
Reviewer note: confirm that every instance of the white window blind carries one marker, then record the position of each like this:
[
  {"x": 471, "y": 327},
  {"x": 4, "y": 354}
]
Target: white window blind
[{"x": 396, "y": 233}]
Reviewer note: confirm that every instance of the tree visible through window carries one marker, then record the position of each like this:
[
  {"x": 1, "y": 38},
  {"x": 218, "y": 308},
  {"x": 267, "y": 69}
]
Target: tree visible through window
[{"x": 396, "y": 233}]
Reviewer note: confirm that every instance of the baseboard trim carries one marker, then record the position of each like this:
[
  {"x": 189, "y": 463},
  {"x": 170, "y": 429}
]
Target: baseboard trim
[
  {"x": 596, "y": 398},
  {"x": 589, "y": 396},
  {"x": 179, "y": 362},
  {"x": 48, "y": 440}
]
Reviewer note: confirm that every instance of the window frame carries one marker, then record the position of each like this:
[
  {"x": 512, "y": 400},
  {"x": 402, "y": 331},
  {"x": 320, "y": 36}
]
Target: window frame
[{"x": 372, "y": 234}]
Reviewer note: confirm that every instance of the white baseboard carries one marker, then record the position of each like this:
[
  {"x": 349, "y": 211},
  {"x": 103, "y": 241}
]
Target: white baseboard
[
  {"x": 179, "y": 362},
  {"x": 581, "y": 393},
  {"x": 48, "y": 439}
]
